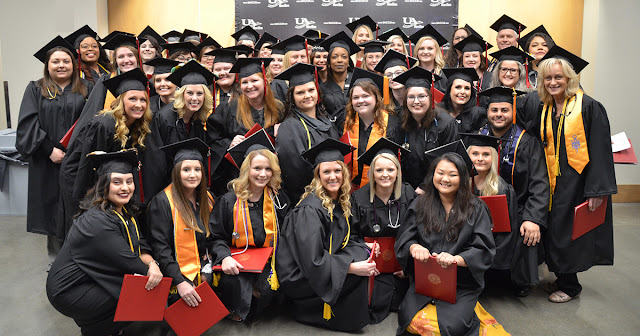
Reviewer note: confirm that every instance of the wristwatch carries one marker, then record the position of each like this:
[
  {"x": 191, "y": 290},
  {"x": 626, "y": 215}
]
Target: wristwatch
[{"x": 153, "y": 261}]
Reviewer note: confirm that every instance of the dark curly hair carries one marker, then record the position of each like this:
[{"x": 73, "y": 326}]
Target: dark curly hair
[{"x": 97, "y": 197}]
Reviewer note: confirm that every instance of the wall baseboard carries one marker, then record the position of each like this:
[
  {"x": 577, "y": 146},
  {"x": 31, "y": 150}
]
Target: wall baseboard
[{"x": 627, "y": 193}]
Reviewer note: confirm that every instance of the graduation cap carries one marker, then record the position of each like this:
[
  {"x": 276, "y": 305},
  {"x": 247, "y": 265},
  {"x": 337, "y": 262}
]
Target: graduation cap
[
  {"x": 363, "y": 21},
  {"x": 360, "y": 75},
  {"x": 428, "y": 30},
  {"x": 502, "y": 94},
  {"x": 313, "y": 34},
  {"x": 342, "y": 40},
  {"x": 383, "y": 145},
  {"x": 192, "y": 35},
  {"x": 191, "y": 73},
  {"x": 172, "y": 36},
  {"x": 113, "y": 34},
  {"x": 209, "y": 42},
  {"x": 57, "y": 41},
  {"x": 374, "y": 46},
  {"x": 557, "y": 52},
  {"x": 190, "y": 149},
  {"x": 120, "y": 40},
  {"x": 265, "y": 38},
  {"x": 327, "y": 151},
  {"x": 223, "y": 55},
  {"x": 512, "y": 53},
  {"x": 241, "y": 49},
  {"x": 393, "y": 32},
  {"x": 299, "y": 74},
  {"x": 466, "y": 74},
  {"x": 456, "y": 147},
  {"x": 77, "y": 36},
  {"x": 122, "y": 162},
  {"x": 176, "y": 47},
  {"x": 417, "y": 77},
  {"x": 473, "y": 31},
  {"x": 257, "y": 140},
  {"x": 162, "y": 65},
  {"x": 246, "y": 33},
  {"x": 473, "y": 43},
  {"x": 152, "y": 33},
  {"x": 131, "y": 80},
  {"x": 393, "y": 58},
  {"x": 293, "y": 43},
  {"x": 246, "y": 67},
  {"x": 539, "y": 30},
  {"x": 482, "y": 140},
  {"x": 505, "y": 22}
]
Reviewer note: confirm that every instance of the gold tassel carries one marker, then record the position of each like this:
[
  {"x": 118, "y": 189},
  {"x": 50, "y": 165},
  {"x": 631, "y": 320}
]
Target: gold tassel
[
  {"x": 273, "y": 281},
  {"x": 327, "y": 313},
  {"x": 385, "y": 91},
  {"x": 514, "y": 105},
  {"x": 216, "y": 279}
]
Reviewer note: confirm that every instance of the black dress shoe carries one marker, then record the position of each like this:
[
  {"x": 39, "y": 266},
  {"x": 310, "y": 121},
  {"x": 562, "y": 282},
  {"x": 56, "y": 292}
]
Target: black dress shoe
[{"x": 523, "y": 291}]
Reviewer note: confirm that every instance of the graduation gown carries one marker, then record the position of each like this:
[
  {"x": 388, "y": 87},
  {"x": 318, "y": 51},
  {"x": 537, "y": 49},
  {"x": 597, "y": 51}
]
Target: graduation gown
[
  {"x": 442, "y": 131},
  {"x": 470, "y": 120},
  {"x": 474, "y": 244},
  {"x": 292, "y": 140},
  {"x": 155, "y": 104},
  {"x": 85, "y": 279},
  {"x": 94, "y": 104},
  {"x": 235, "y": 291},
  {"x": 335, "y": 98},
  {"x": 388, "y": 289},
  {"x": 41, "y": 124},
  {"x": 312, "y": 267},
  {"x": 597, "y": 179},
  {"x": 279, "y": 88}
]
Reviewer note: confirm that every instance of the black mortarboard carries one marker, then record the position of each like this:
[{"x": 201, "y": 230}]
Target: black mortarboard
[
  {"x": 313, "y": 34},
  {"x": 466, "y": 74},
  {"x": 173, "y": 48},
  {"x": 363, "y": 21},
  {"x": 383, "y": 145},
  {"x": 58, "y": 41},
  {"x": 190, "y": 149},
  {"x": 391, "y": 32},
  {"x": 294, "y": 43},
  {"x": 360, "y": 75},
  {"x": 162, "y": 65},
  {"x": 191, "y": 73},
  {"x": 452, "y": 147},
  {"x": 257, "y": 140},
  {"x": 122, "y": 162},
  {"x": 246, "y": 67},
  {"x": 150, "y": 32},
  {"x": 299, "y": 74},
  {"x": 246, "y": 33},
  {"x": 505, "y": 22},
  {"x": 326, "y": 151},
  {"x": 475, "y": 139},
  {"x": 120, "y": 40},
  {"x": 276, "y": 49},
  {"x": 393, "y": 58},
  {"x": 223, "y": 55},
  {"x": 373, "y": 46},
  {"x": 500, "y": 94},
  {"x": 473, "y": 31},
  {"x": 192, "y": 35},
  {"x": 241, "y": 49},
  {"x": 512, "y": 53},
  {"x": 557, "y": 52},
  {"x": 524, "y": 39},
  {"x": 428, "y": 30},
  {"x": 265, "y": 38},
  {"x": 131, "y": 80},
  {"x": 113, "y": 34},
  {"x": 342, "y": 40},
  {"x": 417, "y": 77},
  {"x": 172, "y": 36},
  {"x": 209, "y": 41},
  {"x": 473, "y": 43},
  {"x": 77, "y": 36}
]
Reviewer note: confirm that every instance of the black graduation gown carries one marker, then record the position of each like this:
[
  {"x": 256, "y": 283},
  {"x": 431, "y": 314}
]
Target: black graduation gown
[
  {"x": 442, "y": 131},
  {"x": 312, "y": 267},
  {"x": 235, "y": 291},
  {"x": 388, "y": 289},
  {"x": 85, "y": 279},
  {"x": 94, "y": 104},
  {"x": 335, "y": 98},
  {"x": 441, "y": 85},
  {"x": 292, "y": 140},
  {"x": 528, "y": 110},
  {"x": 470, "y": 120},
  {"x": 41, "y": 124},
  {"x": 155, "y": 104},
  {"x": 597, "y": 179},
  {"x": 279, "y": 88},
  {"x": 474, "y": 244}
]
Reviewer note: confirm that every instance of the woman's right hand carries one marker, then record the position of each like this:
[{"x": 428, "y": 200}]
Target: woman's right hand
[
  {"x": 56, "y": 155},
  {"x": 236, "y": 140},
  {"x": 230, "y": 266},
  {"x": 419, "y": 252},
  {"x": 188, "y": 294},
  {"x": 363, "y": 268}
]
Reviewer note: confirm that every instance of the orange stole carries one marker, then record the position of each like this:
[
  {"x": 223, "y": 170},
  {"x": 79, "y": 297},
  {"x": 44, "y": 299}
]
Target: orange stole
[
  {"x": 354, "y": 132},
  {"x": 241, "y": 208},
  {"x": 186, "y": 246}
]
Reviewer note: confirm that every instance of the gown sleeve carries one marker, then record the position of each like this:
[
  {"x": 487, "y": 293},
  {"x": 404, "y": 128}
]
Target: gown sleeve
[
  {"x": 29, "y": 135},
  {"x": 600, "y": 173},
  {"x": 221, "y": 226},
  {"x": 537, "y": 205},
  {"x": 481, "y": 248},
  {"x": 95, "y": 104},
  {"x": 407, "y": 236},
  {"x": 95, "y": 137}
]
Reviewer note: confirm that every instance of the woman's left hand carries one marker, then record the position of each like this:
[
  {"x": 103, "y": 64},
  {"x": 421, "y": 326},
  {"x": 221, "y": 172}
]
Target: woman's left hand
[
  {"x": 444, "y": 259},
  {"x": 155, "y": 275},
  {"x": 531, "y": 233},
  {"x": 594, "y": 202}
]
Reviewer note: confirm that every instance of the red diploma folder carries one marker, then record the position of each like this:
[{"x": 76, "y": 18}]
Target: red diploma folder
[
  {"x": 627, "y": 156},
  {"x": 386, "y": 261},
  {"x": 585, "y": 220},
  {"x": 138, "y": 304},
  {"x": 347, "y": 139},
  {"x": 255, "y": 129},
  {"x": 438, "y": 96},
  {"x": 499, "y": 212},
  {"x": 436, "y": 282},
  {"x": 67, "y": 136},
  {"x": 194, "y": 321},
  {"x": 253, "y": 259},
  {"x": 372, "y": 279}
]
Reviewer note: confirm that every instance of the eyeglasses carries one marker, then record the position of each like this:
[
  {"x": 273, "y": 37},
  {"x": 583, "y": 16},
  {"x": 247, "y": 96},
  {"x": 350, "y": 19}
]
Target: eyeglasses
[
  {"x": 394, "y": 74},
  {"x": 505, "y": 71},
  {"x": 87, "y": 46},
  {"x": 208, "y": 57},
  {"x": 420, "y": 98}
]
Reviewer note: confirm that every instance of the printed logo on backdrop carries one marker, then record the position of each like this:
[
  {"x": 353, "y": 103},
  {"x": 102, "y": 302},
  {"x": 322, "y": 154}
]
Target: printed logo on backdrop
[
  {"x": 278, "y": 3},
  {"x": 442, "y": 3},
  {"x": 253, "y": 23},
  {"x": 334, "y": 3},
  {"x": 388, "y": 3},
  {"x": 304, "y": 23},
  {"x": 251, "y": 2},
  {"x": 411, "y": 22}
]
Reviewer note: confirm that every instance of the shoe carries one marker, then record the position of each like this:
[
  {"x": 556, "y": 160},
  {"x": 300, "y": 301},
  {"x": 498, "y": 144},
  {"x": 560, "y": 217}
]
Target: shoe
[
  {"x": 523, "y": 291},
  {"x": 233, "y": 316},
  {"x": 561, "y": 297},
  {"x": 549, "y": 287}
]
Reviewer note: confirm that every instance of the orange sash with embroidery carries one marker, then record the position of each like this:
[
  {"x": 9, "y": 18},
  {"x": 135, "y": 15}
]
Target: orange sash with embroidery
[
  {"x": 186, "y": 246},
  {"x": 242, "y": 220},
  {"x": 354, "y": 132}
]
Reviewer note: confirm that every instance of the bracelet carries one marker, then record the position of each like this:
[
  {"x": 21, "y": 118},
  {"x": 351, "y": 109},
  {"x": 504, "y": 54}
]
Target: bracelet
[{"x": 153, "y": 261}]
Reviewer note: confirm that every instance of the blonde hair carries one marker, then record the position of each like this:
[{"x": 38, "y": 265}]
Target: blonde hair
[
  {"x": 272, "y": 109},
  {"x": 182, "y": 203},
  {"x": 393, "y": 37},
  {"x": 203, "y": 112},
  {"x": 397, "y": 185},
  {"x": 344, "y": 196},
  {"x": 241, "y": 184},
  {"x": 438, "y": 60},
  {"x": 492, "y": 181},
  {"x": 544, "y": 69},
  {"x": 354, "y": 57},
  {"x": 140, "y": 127},
  {"x": 286, "y": 60}
]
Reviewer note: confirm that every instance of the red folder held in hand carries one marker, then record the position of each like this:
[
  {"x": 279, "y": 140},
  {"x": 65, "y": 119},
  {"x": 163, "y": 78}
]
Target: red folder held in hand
[
  {"x": 194, "y": 321},
  {"x": 499, "y": 210},
  {"x": 138, "y": 304},
  {"x": 585, "y": 220},
  {"x": 67, "y": 136},
  {"x": 434, "y": 281},
  {"x": 627, "y": 156},
  {"x": 253, "y": 259},
  {"x": 386, "y": 261}
]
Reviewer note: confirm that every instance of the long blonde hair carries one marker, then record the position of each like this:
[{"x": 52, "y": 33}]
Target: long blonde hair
[
  {"x": 438, "y": 60},
  {"x": 393, "y": 37},
  {"x": 544, "y": 68},
  {"x": 492, "y": 181},
  {"x": 203, "y": 112},
  {"x": 272, "y": 109},
  {"x": 344, "y": 197},
  {"x": 397, "y": 185},
  {"x": 138, "y": 130},
  {"x": 182, "y": 203},
  {"x": 241, "y": 184},
  {"x": 354, "y": 57}
]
